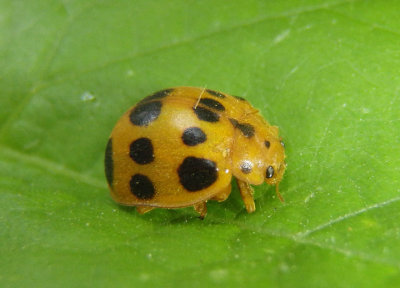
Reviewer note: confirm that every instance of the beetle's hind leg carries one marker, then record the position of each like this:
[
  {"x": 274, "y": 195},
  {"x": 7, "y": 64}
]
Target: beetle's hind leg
[{"x": 201, "y": 208}]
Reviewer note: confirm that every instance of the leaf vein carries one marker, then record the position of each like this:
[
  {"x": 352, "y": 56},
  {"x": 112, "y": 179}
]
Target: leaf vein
[{"x": 348, "y": 216}]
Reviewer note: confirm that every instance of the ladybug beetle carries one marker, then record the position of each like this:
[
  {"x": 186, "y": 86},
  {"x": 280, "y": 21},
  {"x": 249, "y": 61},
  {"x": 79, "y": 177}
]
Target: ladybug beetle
[{"x": 179, "y": 147}]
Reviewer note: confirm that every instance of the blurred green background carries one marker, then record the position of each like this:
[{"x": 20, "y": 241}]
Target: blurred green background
[{"x": 326, "y": 72}]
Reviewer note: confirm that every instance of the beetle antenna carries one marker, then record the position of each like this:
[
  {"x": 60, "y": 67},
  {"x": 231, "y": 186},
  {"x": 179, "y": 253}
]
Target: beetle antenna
[
  {"x": 277, "y": 193},
  {"x": 198, "y": 99}
]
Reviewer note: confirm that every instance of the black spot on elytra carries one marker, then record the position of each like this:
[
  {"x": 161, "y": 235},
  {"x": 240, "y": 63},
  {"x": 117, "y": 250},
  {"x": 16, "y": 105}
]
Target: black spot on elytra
[
  {"x": 142, "y": 187},
  {"x": 144, "y": 114},
  {"x": 215, "y": 93},
  {"x": 197, "y": 173},
  {"x": 246, "y": 167},
  {"x": 206, "y": 114},
  {"x": 270, "y": 172},
  {"x": 211, "y": 103},
  {"x": 234, "y": 122},
  {"x": 193, "y": 136},
  {"x": 141, "y": 151},
  {"x": 246, "y": 129},
  {"x": 109, "y": 163},
  {"x": 239, "y": 98},
  {"x": 267, "y": 144},
  {"x": 157, "y": 95}
]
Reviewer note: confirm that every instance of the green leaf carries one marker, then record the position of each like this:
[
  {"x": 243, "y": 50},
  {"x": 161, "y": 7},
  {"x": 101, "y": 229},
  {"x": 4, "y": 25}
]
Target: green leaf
[{"x": 326, "y": 72}]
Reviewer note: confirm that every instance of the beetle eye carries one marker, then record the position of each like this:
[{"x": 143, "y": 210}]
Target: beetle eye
[{"x": 270, "y": 172}]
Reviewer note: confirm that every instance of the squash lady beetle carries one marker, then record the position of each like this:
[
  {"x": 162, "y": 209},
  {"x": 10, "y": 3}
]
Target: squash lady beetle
[{"x": 179, "y": 147}]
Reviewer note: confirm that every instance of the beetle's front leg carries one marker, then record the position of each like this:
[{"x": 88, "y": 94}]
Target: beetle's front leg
[{"x": 246, "y": 191}]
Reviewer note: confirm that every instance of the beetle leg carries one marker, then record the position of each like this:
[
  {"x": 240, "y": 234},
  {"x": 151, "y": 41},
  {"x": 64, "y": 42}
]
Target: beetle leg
[
  {"x": 223, "y": 195},
  {"x": 201, "y": 208},
  {"x": 246, "y": 191},
  {"x": 143, "y": 209}
]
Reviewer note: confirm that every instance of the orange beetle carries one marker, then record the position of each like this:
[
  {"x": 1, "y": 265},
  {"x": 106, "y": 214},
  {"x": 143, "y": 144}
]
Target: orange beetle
[{"x": 179, "y": 147}]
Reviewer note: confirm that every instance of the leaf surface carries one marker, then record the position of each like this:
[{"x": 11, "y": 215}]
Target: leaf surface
[{"x": 325, "y": 72}]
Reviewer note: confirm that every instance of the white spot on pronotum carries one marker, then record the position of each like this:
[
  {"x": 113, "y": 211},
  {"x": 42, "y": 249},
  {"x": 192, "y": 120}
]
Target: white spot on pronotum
[
  {"x": 246, "y": 166},
  {"x": 280, "y": 37},
  {"x": 87, "y": 97}
]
